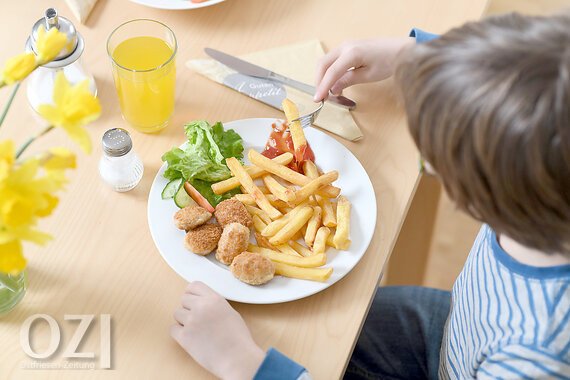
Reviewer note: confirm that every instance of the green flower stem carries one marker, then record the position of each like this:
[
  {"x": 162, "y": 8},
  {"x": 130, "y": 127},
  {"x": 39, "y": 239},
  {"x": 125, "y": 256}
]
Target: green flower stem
[
  {"x": 9, "y": 282},
  {"x": 16, "y": 87},
  {"x": 31, "y": 139}
]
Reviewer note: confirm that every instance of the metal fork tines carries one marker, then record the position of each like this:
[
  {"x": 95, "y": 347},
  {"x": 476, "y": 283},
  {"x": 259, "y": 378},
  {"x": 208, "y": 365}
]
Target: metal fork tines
[{"x": 308, "y": 119}]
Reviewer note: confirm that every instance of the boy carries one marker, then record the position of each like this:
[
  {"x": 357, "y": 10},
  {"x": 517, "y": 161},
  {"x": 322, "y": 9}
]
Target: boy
[{"x": 488, "y": 106}]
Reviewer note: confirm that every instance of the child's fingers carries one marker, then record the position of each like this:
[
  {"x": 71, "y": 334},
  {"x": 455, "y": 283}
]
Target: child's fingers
[
  {"x": 322, "y": 67},
  {"x": 181, "y": 315},
  {"x": 334, "y": 72},
  {"x": 188, "y": 300},
  {"x": 199, "y": 288},
  {"x": 348, "y": 79}
]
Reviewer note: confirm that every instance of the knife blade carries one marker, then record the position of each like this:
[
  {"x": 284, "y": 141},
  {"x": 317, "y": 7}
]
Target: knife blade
[{"x": 250, "y": 69}]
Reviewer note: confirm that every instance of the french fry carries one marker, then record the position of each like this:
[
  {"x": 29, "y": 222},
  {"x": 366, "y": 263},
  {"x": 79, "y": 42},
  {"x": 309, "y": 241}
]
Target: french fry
[
  {"x": 254, "y": 172},
  {"x": 246, "y": 199},
  {"x": 258, "y": 224},
  {"x": 284, "y": 209},
  {"x": 329, "y": 216},
  {"x": 263, "y": 189},
  {"x": 341, "y": 240},
  {"x": 287, "y": 249},
  {"x": 299, "y": 235},
  {"x": 297, "y": 134},
  {"x": 239, "y": 172},
  {"x": 288, "y": 174},
  {"x": 315, "y": 184},
  {"x": 301, "y": 249},
  {"x": 303, "y": 229},
  {"x": 298, "y": 261},
  {"x": 277, "y": 189},
  {"x": 313, "y": 226},
  {"x": 313, "y": 274},
  {"x": 310, "y": 169},
  {"x": 330, "y": 239},
  {"x": 273, "y": 227},
  {"x": 293, "y": 225},
  {"x": 320, "y": 240},
  {"x": 262, "y": 241},
  {"x": 313, "y": 200},
  {"x": 259, "y": 212}
]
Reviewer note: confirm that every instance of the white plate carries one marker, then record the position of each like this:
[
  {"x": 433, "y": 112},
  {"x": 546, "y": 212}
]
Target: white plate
[
  {"x": 330, "y": 155},
  {"x": 175, "y": 4}
]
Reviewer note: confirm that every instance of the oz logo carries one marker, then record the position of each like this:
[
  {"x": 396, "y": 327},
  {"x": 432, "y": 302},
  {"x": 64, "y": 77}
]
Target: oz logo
[{"x": 70, "y": 350}]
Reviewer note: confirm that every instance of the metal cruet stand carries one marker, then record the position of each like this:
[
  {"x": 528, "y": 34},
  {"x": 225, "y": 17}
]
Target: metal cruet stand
[{"x": 41, "y": 81}]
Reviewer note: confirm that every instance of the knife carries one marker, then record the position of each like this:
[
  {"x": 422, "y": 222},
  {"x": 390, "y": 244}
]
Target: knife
[{"x": 250, "y": 69}]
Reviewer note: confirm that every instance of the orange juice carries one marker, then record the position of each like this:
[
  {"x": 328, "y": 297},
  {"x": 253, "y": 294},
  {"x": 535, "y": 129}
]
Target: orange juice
[{"x": 144, "y": 70}]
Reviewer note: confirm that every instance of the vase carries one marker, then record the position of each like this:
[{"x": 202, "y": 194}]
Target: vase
[{"x": 12, "y": 290}]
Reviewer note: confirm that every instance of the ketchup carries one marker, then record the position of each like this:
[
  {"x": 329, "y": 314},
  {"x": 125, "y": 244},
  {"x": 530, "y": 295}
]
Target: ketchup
[{"x": 280, "y": 141}]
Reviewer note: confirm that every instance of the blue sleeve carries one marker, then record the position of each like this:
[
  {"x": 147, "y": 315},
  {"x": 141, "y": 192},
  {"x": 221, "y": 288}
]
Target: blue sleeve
[
  {"x": 277, "y": 366},
  {"x": 422, "y": 36}
]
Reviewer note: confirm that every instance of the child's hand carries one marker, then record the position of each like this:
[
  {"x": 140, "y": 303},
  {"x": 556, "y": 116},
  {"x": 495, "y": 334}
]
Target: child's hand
[
  {"x": 372, "y": 60},
  {"x": 215, "y": 335}
]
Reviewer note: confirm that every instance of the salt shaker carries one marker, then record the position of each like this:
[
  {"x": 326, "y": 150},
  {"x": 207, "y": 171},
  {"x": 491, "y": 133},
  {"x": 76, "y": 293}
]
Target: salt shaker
[
  {"x": 120, "y": 167},
  {"x": 41, "y": 81}
]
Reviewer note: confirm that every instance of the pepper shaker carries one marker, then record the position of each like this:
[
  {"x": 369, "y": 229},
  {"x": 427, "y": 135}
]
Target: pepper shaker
[
  {"x": 41, "y": 81},
  {"x": 120, "y": 167}
]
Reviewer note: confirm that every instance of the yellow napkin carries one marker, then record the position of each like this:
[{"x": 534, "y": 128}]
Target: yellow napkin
[
  {"x": 81, "y": 8},
  {"x": 297, "y": 61}
]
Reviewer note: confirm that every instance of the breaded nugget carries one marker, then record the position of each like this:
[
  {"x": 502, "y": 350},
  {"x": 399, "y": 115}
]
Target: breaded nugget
[
  {"x": 230, "y": 211},
  {"x": 203, "y": 239},
  {"x": 234, "y": 240},
  {"x": 252, "y": 268},
  {"x": 191, "y": 217}
]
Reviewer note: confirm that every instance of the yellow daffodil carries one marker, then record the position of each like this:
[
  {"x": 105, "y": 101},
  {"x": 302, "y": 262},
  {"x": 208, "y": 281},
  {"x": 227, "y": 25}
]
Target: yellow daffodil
[
  {"x": 7, "y": 153},
  {"x": 58, "y": 158},
  {"x": 11, "y": 259},
  {"x": 74, "y": 107},
  {"x": 18, "y": 67},
  {"x": 50, "y": 44},
  {"x": 27, "y": 193}
]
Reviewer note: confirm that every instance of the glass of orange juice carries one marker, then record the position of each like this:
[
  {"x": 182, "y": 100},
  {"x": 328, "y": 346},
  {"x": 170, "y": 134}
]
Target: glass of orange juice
[{"x": 143, "y": 59}]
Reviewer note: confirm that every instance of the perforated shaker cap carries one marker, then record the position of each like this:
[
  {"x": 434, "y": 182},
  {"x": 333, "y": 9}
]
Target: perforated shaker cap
[{"x": 116, "y": 142}]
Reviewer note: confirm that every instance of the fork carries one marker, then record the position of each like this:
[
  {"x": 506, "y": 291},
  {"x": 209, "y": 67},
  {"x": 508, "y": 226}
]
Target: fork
[{"x": 308, "y": 119}]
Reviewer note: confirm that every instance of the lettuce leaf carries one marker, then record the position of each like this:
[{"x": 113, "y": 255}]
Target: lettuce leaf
[{"x": 202, "y": 161}]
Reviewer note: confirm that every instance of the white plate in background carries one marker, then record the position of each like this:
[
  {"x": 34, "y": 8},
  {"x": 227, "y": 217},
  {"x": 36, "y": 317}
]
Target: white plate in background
[{"x": 176, "y": 4}]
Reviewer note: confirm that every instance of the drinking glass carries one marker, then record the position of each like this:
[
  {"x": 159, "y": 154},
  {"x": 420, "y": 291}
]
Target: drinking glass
[{"x": 143, "y": 60}]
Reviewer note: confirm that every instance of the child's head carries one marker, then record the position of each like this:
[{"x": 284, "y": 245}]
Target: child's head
[{"x": 488, "y": 106}]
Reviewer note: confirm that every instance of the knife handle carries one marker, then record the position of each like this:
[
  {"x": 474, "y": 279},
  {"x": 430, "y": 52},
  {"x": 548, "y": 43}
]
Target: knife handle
[{"x": 340, "y": 100}]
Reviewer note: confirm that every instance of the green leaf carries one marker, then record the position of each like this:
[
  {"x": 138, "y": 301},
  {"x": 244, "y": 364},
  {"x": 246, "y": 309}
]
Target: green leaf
[
  {"x": 229, "y": 141},
  {"x": 202, "y": 161}
]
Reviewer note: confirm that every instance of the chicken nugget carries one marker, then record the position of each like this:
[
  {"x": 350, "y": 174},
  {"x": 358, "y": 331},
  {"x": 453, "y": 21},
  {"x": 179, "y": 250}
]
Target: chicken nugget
[
  {"x": 203, "y": 239},
  {"x": 230, "y": 211},
  {"x": 191, "y": 217},
  {"x": 252, "y": 268},
  {"x": 234, "y": 240}
]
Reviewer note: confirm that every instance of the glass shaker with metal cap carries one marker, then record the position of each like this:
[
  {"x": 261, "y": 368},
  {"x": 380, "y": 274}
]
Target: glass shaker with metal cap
[
  {"x": 120, "y": 167},
  {"x": 41, "y": 81}
]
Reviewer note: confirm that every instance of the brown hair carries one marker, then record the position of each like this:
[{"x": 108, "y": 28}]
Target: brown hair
[{"x": 488, "y": 106}]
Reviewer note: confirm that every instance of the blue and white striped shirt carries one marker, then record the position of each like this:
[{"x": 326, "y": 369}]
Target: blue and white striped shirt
[{"x": 508, "y": 320}]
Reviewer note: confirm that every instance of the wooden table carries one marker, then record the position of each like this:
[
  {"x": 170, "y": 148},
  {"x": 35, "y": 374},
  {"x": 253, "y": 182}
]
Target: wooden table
[{"x": 103, "y": 260}]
